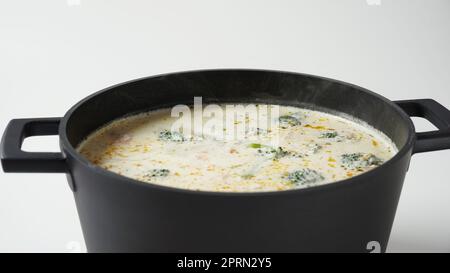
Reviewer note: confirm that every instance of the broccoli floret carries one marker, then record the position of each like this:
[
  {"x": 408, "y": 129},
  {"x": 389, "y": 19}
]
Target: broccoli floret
[
  {"x": 280, "y": 152},
  {"x": 332, "y": 134},
  {"x": 305, "y": 177},
  {"x": 275, "y": 153},
  {"x": 360, "y": 160},
  {"x": 288, "y": 120},
  {"x": 167, "y": 135},
  {"x": 156, "y": 173}
]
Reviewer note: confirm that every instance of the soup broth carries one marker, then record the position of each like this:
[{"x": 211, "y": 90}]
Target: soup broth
[{"x": 305, "y": 148}]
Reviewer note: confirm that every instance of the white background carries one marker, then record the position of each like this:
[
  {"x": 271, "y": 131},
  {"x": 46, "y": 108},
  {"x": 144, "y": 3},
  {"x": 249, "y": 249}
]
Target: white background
[{"x": 55, "y": 52}]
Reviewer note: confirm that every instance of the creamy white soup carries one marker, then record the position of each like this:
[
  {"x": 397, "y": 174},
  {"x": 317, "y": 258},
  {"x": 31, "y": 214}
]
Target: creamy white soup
[{"x": 305, "y": 148}]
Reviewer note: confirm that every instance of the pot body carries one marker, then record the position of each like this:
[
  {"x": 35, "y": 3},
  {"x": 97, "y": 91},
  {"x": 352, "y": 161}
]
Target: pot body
[
  {"x": 119, "y": 214},
  {"x": 122, "y": 217}
]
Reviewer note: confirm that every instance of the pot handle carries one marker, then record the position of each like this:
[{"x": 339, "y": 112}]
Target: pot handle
[
  {"x": 438, "y": 115},
  {"x": 14, "y": 159}
]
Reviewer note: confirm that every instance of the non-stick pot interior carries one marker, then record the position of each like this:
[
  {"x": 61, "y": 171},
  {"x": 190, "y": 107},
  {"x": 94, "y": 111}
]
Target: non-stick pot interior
[{"x": 236, "y": 86}]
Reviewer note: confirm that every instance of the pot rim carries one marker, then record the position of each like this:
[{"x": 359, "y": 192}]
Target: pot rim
[{"x": 407, "y": 147}]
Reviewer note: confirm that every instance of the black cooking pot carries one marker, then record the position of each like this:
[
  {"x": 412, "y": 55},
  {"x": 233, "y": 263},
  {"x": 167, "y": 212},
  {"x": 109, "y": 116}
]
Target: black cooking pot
[{"x": 119, "y": 214}]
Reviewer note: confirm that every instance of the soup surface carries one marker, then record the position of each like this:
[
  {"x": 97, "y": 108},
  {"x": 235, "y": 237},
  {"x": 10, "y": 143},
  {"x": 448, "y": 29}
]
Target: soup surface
[{"x": 305, "y": 148}]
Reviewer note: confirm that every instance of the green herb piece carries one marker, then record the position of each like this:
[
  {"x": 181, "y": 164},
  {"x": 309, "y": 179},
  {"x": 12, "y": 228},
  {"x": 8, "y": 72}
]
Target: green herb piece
[{"x": 255, "y": 145}]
